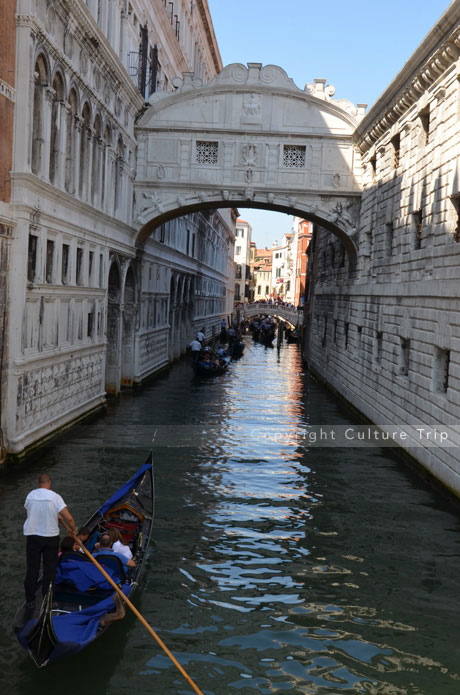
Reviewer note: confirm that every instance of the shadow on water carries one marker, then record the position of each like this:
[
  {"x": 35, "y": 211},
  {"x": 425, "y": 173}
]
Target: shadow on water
[{"x": 278, "y": 566}]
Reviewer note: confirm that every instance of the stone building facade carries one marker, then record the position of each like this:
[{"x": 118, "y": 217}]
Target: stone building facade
[
  {"x": 90, "y": 311},
  {"x": 385, "y": 333},
  {"x": 243, "y": 278}
]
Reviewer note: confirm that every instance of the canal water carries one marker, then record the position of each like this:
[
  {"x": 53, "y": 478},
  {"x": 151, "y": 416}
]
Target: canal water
[{"x": 278, "y": 565}]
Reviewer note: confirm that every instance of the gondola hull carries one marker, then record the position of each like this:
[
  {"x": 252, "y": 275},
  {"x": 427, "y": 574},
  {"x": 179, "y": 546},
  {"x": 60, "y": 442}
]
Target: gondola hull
[
  {"x": 214, "y": 370},
  {"x": 83, "y": 604}
]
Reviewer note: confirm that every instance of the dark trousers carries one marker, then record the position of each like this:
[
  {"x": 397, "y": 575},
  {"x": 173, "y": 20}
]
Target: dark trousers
[
  {"x": 36, "y": 547},
  {"x": 195, "y": 356}
]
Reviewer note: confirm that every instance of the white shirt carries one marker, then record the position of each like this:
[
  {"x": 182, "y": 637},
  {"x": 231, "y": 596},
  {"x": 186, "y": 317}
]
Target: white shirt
[
  {"x": 43, "y": 507},
  {"x": 121, "y": 549},
  {"x": 195, "y": 345}
]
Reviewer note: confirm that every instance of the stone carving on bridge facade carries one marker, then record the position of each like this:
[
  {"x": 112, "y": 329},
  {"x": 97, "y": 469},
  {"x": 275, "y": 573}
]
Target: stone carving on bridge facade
[
  {"x": 249, "y": 155},
  {"x": 252, "y": 109},
  {"x": 150, "y": 205}
]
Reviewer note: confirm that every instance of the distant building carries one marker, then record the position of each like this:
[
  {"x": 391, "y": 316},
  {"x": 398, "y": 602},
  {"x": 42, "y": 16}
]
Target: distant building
[
  {"x": 283, "y": 270},
  {"x": 262, "y": 274},
  {"x": 303, "y": 232},
  {"x": 242, "y": 261}
]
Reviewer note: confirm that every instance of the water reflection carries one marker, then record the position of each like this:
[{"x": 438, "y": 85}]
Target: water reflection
[{"x": 278, "y": 566}]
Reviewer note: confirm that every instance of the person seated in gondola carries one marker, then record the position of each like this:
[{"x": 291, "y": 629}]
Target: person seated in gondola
[
  {"x": 105, "y": 548},
  {"x": 205, "y": 361},
  {"x": 66, "y": 545},
  {"x": 118, "y": 546}
]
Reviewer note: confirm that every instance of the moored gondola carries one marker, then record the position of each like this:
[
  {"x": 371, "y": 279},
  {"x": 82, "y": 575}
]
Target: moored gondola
[{"x": 83, "y": 604}]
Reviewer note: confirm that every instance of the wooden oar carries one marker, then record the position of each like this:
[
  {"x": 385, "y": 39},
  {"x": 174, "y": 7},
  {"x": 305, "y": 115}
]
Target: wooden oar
[{"x": 134, "y": 609}]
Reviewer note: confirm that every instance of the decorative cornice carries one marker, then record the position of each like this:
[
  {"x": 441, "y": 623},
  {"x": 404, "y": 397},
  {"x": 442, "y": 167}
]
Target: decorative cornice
[
  {"x": 209, "y": 29},
  {"x": 414, "y": 79}
]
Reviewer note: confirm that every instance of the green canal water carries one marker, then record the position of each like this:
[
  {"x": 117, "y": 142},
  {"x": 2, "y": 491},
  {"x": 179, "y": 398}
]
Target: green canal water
[{"x": 277, "y": 565}]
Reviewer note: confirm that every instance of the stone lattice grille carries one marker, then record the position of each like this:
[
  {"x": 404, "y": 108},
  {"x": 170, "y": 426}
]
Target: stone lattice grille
[
  {"x": 206, "y": 152},
  {"x": 294, "y": 156}
]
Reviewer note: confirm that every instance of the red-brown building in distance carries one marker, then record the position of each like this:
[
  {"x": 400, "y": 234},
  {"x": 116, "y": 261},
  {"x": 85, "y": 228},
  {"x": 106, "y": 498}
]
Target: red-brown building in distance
[{"x": 303, "y": 230}]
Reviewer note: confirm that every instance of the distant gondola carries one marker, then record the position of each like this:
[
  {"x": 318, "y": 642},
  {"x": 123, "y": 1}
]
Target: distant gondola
[
  {"x": 292, "y": 337},
  {"x": 83, "y": 604},
  {"x": 212, "y": 369}
]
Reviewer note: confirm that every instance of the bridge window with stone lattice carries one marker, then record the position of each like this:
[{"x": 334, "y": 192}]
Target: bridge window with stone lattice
[
  {"x": 294, "y": 156},
  {"x": 206, "y": 152}
]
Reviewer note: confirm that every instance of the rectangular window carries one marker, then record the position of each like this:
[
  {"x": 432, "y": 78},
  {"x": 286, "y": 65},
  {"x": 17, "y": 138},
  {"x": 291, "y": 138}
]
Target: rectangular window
[
  {"x": 456, "y": 203},
  {"x": 359, "y": 336},
  {"x": 347, "y": 329},
  {"x": 162, "y": 234},
  {"x": 65, "y": 264},
  {"x": 378, "y": 347},
  {"x": 259, "y": 289},
  {"x": 294, "y": 156},
  {"x": 335, "y": 330},
  {"x": 440, "y": 377},
  {"x": 425, "y": 121},
  {"x": 90, "y": 265},
  {"x": 396, "y": 144},
  {"x": 89, "y": 331},
  {"x": 32, "y": 257},
  {"x": 79, "y": 267},
  {"x": 323, "y": 342},
  {"x": 267, "y": 289},
  {"x": 418, "y": 228},
  {"x": 101, "y": 270},
  {"x": 404, "y": 357},
  {"x": 206, "y": 152},
  {"x": 389, "y": 238},
  {"x": 373, "y": 168},
  {"x": 49, "y": 261},
  {"x": 238, "y": 250}
]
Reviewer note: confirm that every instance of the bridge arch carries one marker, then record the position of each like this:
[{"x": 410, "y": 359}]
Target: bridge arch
[{"x": 249, "y": 138}]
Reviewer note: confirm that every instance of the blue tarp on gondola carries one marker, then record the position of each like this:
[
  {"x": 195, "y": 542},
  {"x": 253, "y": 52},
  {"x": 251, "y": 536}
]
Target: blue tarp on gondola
[
  {"x": 83, "y": 575},
  {"x": 126, "y": 487},
  {"x": 81, "y": 627}
]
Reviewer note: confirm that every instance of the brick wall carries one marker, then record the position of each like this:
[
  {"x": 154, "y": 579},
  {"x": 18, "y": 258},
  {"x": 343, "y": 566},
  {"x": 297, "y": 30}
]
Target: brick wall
[{"x": 7, "y": 82}]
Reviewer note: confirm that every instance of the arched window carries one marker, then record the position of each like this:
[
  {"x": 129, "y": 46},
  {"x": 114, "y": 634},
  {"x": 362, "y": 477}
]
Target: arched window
[
  {"x": 118, "y": 176},
  {"x": 70, "y": 142},
  {"x": 96, "y": 167},
  {"x": 107, "y": 141},
  {"x": 55, "y": 131},
  {"x": 40, "y": 82},
  {"x": 84, "y": 147}
]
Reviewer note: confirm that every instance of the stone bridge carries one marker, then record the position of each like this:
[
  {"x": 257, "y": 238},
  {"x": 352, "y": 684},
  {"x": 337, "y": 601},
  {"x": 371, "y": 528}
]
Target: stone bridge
[
  {"x": 249, "y": 138},
  {"x": 289, "y": 314}
]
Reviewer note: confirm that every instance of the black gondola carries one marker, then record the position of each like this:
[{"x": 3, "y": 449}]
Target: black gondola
[
  {"x": 83, "y": 604},
  {"x": 212, "y": 369}
]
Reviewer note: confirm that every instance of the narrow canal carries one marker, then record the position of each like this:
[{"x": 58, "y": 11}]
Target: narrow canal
[{"x": 277, "y": 565}]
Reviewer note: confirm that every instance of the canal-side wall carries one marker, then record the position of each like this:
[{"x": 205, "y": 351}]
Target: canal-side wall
[{"x": 386, "y": 338}]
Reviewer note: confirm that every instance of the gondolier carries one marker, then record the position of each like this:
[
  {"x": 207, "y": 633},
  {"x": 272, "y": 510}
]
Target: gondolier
[{"x": 44, "y": 508}]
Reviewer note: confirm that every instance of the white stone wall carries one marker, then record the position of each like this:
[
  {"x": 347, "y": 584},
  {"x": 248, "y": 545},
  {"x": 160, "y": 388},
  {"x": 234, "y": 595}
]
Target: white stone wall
[
  {"x": 88, "y": 312},
  {"x": 386, "y": 336}
]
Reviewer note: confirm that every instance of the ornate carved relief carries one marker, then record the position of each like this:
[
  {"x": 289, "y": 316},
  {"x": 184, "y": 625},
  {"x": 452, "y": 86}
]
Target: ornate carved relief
[{"x": 252, "y": 109}]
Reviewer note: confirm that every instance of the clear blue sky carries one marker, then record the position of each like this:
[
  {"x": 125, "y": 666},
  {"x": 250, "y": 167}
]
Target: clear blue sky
[{"x": 359, "y": 46}]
